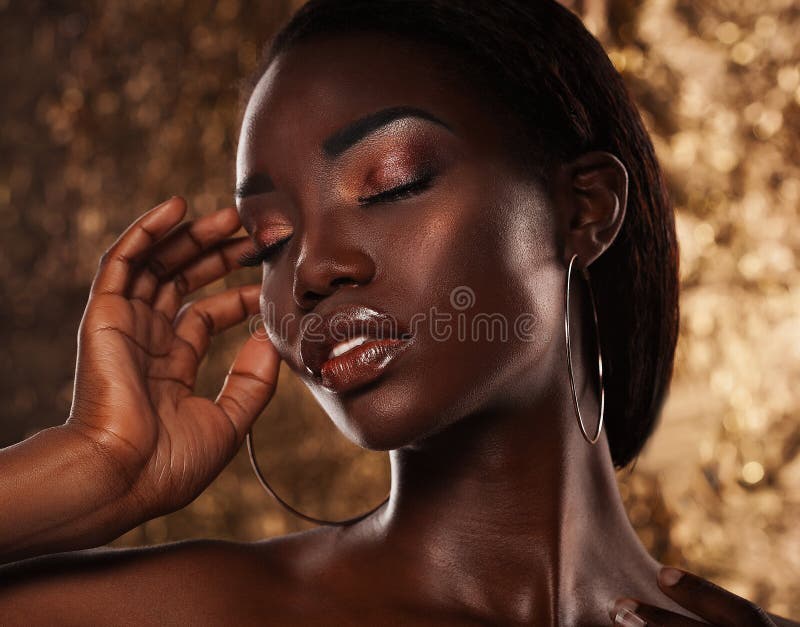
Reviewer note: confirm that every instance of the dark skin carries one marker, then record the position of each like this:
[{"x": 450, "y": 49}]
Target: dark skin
[{"x": 500, "y": 511}]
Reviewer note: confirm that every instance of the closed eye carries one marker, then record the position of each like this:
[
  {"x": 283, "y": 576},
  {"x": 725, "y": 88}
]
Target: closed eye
[
  {"x": 406, "y": 190},
  {"x": 262, "y": 254},
  {"x": 259, "y": 255}
]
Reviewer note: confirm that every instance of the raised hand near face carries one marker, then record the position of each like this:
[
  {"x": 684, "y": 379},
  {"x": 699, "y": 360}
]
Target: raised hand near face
[{"x": 140, "y": 348}]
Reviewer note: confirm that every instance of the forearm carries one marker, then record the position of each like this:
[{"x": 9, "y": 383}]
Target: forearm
[{"x": 58, "y": 492}]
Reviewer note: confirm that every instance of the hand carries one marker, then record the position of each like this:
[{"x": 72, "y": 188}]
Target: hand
[
  {"x": 139, "y": 352},
  {"x": 701, "y": 597}
]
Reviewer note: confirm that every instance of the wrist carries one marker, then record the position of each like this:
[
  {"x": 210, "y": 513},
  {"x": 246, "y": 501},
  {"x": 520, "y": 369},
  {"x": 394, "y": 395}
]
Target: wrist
[
  {"x": 115, "y": 472},
  {"x": 65, "y": 494},
  {"x": 100, "y": 451}
]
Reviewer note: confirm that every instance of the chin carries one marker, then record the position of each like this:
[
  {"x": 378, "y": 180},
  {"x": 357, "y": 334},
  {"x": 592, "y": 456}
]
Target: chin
[{"x": 384, "y": 415}]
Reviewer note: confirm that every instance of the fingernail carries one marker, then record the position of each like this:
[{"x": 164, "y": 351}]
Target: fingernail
[
  {"x": 626, "y": 618},
  {"x": 614, "y": 605},
  {"x": 669, "y": 576}
]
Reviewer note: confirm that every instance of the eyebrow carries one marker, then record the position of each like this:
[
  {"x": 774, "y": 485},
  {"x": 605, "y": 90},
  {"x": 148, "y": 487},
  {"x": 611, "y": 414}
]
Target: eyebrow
[{"x": 341, "y": 141}]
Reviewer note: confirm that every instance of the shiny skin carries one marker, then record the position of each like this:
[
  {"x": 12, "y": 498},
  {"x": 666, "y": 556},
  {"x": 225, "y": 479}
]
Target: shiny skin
[
  {"x": 476, "y": 226},
  {"x": 479, "y": 429},
  {"x": 500, "y": 512}
]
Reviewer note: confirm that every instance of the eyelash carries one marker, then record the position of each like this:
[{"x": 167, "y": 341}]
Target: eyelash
[
  {"x": 257, "y": 256},
  {"x": 406, "y": 190}
]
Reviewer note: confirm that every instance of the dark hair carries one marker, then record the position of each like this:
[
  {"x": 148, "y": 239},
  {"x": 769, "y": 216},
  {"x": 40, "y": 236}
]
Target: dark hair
[{"x": 554, "y": 76}]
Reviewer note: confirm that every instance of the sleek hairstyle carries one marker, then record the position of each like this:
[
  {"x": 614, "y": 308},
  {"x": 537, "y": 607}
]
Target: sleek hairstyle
[{"x": 554, "y": 77}]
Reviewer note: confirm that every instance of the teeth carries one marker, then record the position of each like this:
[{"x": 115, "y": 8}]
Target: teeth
[{"x": 343, "y": 347}]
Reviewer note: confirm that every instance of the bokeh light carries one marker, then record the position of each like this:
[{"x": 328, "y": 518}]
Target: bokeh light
[{"x": 111, "y": 107}]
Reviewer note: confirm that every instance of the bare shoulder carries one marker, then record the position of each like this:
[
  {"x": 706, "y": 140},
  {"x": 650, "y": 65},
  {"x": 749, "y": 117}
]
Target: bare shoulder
[{"x": 210, "y": 581}]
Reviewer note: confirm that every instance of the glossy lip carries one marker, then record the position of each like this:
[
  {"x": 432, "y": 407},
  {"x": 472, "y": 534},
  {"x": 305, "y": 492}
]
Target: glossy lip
[
  {"x": 362, "y": 364},
  {"x": 343, "y": 323}
]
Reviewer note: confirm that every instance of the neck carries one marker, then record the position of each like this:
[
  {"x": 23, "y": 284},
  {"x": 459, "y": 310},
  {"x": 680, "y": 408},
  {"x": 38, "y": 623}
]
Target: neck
[{"x": 513, "y": 516}]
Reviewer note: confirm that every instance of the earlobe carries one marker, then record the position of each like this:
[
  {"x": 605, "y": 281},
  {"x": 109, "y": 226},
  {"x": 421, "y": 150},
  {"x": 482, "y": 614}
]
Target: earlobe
[{"x": 597, "y": 184}]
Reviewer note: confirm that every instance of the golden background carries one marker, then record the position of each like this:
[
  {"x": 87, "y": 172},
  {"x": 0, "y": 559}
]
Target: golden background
[{"x": 111, "y": 107}]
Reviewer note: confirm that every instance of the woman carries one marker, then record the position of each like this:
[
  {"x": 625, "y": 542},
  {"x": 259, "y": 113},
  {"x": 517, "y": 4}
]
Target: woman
[{"x": 395, "y": 157}]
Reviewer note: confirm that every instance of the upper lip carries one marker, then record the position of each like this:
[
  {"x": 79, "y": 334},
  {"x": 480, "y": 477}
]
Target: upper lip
[{"x": 322, "y": 332}]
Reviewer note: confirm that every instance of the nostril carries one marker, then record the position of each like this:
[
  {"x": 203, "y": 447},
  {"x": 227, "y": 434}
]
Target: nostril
[{"x": 312, "y": 297}]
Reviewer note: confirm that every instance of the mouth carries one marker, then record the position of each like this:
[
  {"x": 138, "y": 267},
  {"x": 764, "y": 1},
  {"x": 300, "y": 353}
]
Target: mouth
[{"x": 354, "y": 346}]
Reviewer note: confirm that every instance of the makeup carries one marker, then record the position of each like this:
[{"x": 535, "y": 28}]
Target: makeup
[
  {"x": 352, "y": 345},
  {"x": 361, "y": 364},
  {"x": 275, "y": 236}
]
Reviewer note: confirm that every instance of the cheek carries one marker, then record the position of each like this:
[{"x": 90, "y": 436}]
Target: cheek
[
  {"x": 277, "y": 322},
  {"x": 524, "y": 279},
  {"x": 450, "y": 240},
  {"x": 492, "y": 265},
  {"x": 484, "y": 250}
]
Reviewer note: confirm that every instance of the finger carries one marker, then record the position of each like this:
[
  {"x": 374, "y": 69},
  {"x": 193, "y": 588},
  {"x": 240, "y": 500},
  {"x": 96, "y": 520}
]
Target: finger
[
  {"x": 631, "y": 613},
  {"x": 250, "y": 384},
  {"x": 118, "y": 263},
  {"x": 708, "y": 600},
  {"x": 198, "y": 321},
  {"x": 186, "y": 242},
  {"x": 211, "y": 266}
]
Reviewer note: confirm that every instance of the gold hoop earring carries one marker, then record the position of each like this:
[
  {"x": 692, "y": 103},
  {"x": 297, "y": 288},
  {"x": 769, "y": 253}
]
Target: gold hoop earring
[
  {"x": 319, "y": 521},
  {"x": 569, "y": 354}
]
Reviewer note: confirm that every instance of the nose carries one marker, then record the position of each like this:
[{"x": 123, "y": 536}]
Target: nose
[{"x": 326, "y": 263}]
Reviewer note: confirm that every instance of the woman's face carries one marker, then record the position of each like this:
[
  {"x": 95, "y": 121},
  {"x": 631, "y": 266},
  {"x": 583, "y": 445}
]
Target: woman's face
[{"x": 465, "y": 258}]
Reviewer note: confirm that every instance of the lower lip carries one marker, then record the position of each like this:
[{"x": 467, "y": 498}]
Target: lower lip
[{"x": 361, "y": 365}]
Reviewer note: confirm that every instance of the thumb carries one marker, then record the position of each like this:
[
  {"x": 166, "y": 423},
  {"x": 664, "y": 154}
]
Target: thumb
[{"x": 249, "y": 385}]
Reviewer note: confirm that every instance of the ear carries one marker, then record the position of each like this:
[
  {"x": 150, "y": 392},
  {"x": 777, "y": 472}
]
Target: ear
[{"x": 593, "y": 193}]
